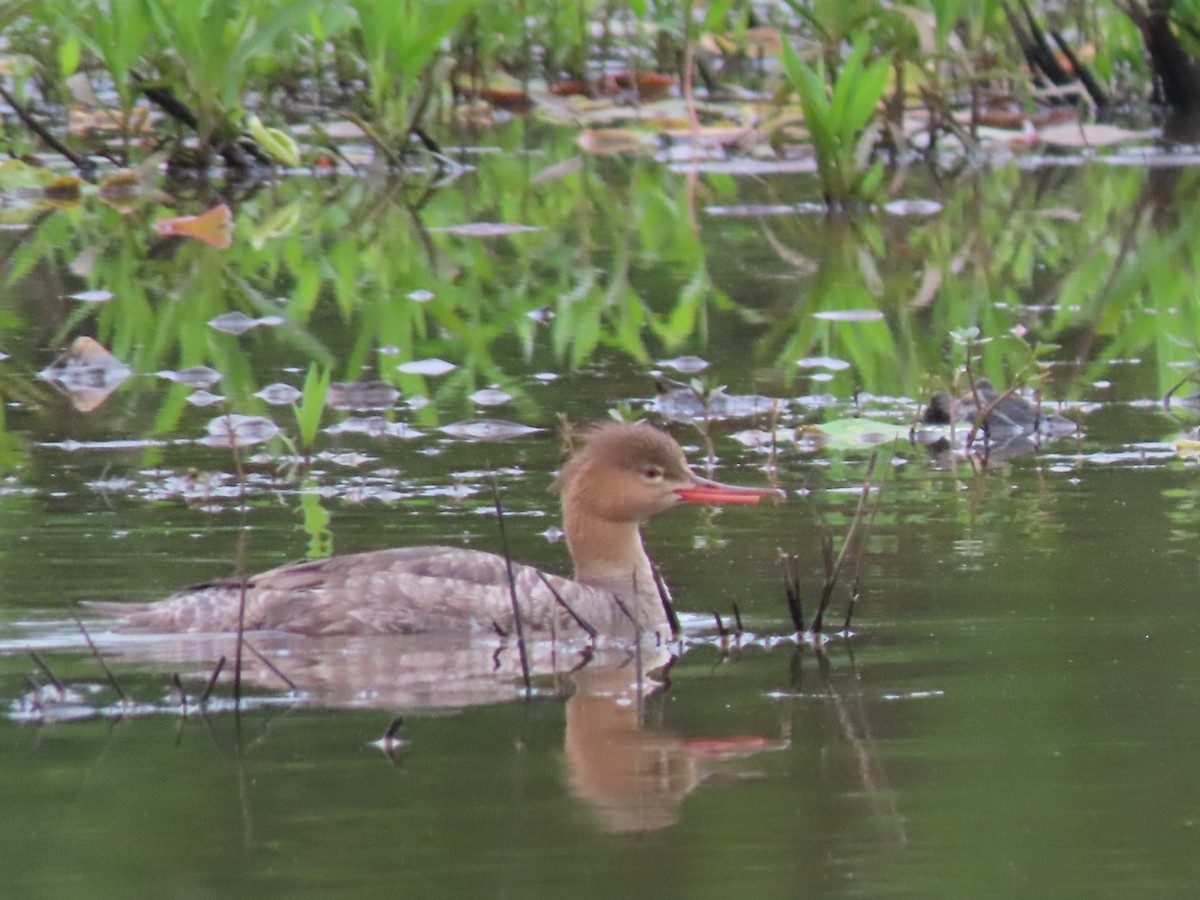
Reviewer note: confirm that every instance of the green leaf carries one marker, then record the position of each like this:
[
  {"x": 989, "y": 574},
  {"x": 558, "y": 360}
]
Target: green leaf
[
  {"x": 68, "y": 55},
  {"x": 280, "y": 145}
]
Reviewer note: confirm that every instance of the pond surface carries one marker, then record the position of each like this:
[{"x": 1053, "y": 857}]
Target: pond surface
[{"x": 1013, "y": 714}]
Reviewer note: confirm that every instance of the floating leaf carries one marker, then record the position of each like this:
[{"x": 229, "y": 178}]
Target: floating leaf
[
  {"x": 431, "y": 367},
  {"x": 491, "y": 397},
  {"x": 558, "y": 170},
  {"x": 238, "y": 323},
  {"x": 403, "y": 431},
  {"x": 362, "y": 395},
  {"x": 196, "y": 376},
  {"x": 204, "y": 398},
  {"x": 87, "y": 373},
  {"x": 823, "y": 362},
  {"x": 239, "y": 431},
  {"x": 689, "y": 365},
  {"x": 849, "y": 315},
  {"x": 914, "y": 207},
  {"x": 488, "y": 430},
  {"x": 487, "y": 229},
  {"x": 854, "y": 433},
  {"x": 614, "y": 141},
  {"x": 374, "y": 426},
  {"x": 1088, "y": 134},
  {"x": 97, "y": 296},
  {"x": 279, "y": 394}
]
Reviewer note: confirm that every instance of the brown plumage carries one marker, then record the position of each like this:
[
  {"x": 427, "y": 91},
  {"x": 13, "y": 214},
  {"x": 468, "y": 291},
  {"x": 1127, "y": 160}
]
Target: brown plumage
[{"x": 623, "y": 475}]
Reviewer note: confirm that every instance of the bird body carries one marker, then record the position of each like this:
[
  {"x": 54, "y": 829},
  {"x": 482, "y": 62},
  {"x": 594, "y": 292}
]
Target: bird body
[{"x": 623, "y": 475}]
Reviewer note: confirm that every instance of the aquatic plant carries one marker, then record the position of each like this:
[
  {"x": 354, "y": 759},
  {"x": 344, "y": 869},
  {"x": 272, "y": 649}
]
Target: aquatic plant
[
  {"x": 119, "y": 35},
  {"x": 840, "y": 112},
  {"x": 401, "y": 44},
  {"x": 311, "y": 405}
]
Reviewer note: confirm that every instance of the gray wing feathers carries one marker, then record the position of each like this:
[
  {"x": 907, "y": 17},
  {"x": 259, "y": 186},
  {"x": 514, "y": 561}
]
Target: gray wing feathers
[{"x": 408, "y": 590}]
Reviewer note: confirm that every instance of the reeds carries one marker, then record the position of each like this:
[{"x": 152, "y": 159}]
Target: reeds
[
  {"x": 833, "y": 563},
  {"x": 518, "y": 624}
]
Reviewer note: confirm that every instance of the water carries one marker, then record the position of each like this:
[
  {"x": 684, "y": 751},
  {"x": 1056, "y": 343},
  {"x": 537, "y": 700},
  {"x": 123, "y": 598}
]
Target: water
[{"x": 1012, "y": 715}]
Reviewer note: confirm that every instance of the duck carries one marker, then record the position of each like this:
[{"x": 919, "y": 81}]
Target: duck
[
  {"x": 1005, "y": 415},
  {"x": 622, "y": 474}
]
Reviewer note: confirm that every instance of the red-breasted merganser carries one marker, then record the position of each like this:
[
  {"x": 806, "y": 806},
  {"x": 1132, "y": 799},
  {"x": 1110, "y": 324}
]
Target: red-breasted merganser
[{"x": 623, "y": 475}]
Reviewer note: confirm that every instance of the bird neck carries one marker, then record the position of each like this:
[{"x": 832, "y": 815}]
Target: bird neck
[{"x": 610, "y": 555}]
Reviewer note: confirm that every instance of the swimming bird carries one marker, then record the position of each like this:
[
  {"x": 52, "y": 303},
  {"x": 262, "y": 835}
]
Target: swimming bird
[
  {"x": 1004, "y": 414},
  {"x": 623, "y": 474}
]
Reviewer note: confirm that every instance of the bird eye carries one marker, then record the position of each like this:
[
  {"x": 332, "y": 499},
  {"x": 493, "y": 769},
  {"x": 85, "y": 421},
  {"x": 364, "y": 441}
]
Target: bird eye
[{"x": 653, "y": 473}]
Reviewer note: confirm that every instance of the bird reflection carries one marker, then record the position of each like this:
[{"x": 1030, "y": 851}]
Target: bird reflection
[{"x": 633, "y": 775}]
